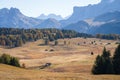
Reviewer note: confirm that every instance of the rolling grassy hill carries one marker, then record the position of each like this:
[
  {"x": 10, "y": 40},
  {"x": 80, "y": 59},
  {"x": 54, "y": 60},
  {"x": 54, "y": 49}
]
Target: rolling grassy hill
[
  {"x": 72, "y": 61},
  {"x": 13, "y": 73}
]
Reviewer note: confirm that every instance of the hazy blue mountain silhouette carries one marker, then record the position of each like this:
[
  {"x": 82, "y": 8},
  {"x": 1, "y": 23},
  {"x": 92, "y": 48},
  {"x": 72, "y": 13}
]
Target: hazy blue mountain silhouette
[
  {"x": 57, "y": 17},
  {"x": 104, "y": 16},
  {"x": 14, "y": 18},
  {"x": 91, "y": 11},
  {"x": 110, "y": 16},
  {"x": 80, "y": 26},
  {"x": 108, "y": 28},
  {"x": 49, "y": 23},
  {"x": 110, "y": 24}
]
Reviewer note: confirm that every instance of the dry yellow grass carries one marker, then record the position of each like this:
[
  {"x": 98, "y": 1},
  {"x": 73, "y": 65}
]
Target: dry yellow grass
[
  {"x": 72, "y": 61},
  {"x": 13, "y": 73}
]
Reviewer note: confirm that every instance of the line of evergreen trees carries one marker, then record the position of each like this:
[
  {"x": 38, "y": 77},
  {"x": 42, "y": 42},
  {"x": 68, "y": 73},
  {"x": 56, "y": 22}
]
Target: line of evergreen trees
[
  {"x": 108, "y": 36},
  {"x": 14, "y": 37},
  {"x": 9, "y": 60},
  {"x": 105, "y": 64}
]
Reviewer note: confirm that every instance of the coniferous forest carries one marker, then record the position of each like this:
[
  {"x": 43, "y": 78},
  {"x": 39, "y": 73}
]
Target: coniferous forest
[{"x": 13, "y": 37}]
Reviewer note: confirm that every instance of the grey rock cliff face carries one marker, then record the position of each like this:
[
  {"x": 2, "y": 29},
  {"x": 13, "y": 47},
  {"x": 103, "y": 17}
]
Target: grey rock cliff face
[{"x": 91, "y": 11}]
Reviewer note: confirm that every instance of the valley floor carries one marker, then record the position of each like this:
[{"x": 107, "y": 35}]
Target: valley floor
[
  {"x": 70, "y": 61},
  {"x": 13, "y": 73}
]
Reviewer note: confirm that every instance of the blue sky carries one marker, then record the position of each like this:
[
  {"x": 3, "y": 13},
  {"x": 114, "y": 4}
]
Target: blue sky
[{"x": 34, "y": 8}]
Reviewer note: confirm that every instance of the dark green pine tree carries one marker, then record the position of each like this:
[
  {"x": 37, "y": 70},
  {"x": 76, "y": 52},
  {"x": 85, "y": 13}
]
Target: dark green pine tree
[
  {"x": 105, "y": 53},
  {"x": 98, "y": 67},
  {"x": 103, "y": 64},
  {"x": 116, "y": 60},
  {"x": 109, "y": 66}
]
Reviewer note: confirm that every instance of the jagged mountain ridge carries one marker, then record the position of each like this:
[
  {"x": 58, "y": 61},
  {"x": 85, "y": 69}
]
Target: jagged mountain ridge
[
  {"x": 91, "y": 11},
  {"x": 14, "y": 18}
]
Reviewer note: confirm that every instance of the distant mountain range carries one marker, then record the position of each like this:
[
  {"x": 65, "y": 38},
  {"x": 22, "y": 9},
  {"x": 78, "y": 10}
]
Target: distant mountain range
[
  {"x": 103, "y": 17},
  {"x": 49, "y": 23},
  {"x": 57, "y": 17},
  {"x": 108, "y": 28},
  {"x": 80, "y": 26},
  {"x": 105, "y": 23},
  {"x": 91, "y": 11},
  {"x": 111, "y": 23},
  {"x": 13, "y": 18},
  {"x": 109, "y": 16}
]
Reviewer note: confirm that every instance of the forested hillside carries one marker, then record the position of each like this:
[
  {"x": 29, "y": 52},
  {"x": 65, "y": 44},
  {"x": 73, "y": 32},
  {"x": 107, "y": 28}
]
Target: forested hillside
[{"x": 13, "y": 37}]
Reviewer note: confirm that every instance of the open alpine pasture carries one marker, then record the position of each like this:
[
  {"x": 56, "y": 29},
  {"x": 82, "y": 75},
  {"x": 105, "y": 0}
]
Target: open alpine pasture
[{"x": 70, "y": 59}]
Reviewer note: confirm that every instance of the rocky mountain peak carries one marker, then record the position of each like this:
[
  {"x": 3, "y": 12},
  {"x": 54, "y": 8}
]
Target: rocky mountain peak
[{"x": 14, "y": 11}]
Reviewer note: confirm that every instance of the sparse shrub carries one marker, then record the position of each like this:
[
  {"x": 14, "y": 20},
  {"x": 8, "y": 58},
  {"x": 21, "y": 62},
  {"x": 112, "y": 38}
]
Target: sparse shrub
[
  {"x": 117, "y": 43},
  {"x": 14, "y": 62},
  {"x": 92, "y": 53},
  {"x": 91, "y": 42},
  {"x": 51, "y": 49},
  {"x": 108, "y": 43},
  {"x": 23, "y": 65},
  {"x": 65, "y": 42},
  {"x": 84, "y": 42},
  {"x": 56, "y": 42},
  {"x": 7, "y": 59},
  {"x": 46, "y": 42},
  {"x": 78, "y": 43},
  {"x": 46, "y": 49}
]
